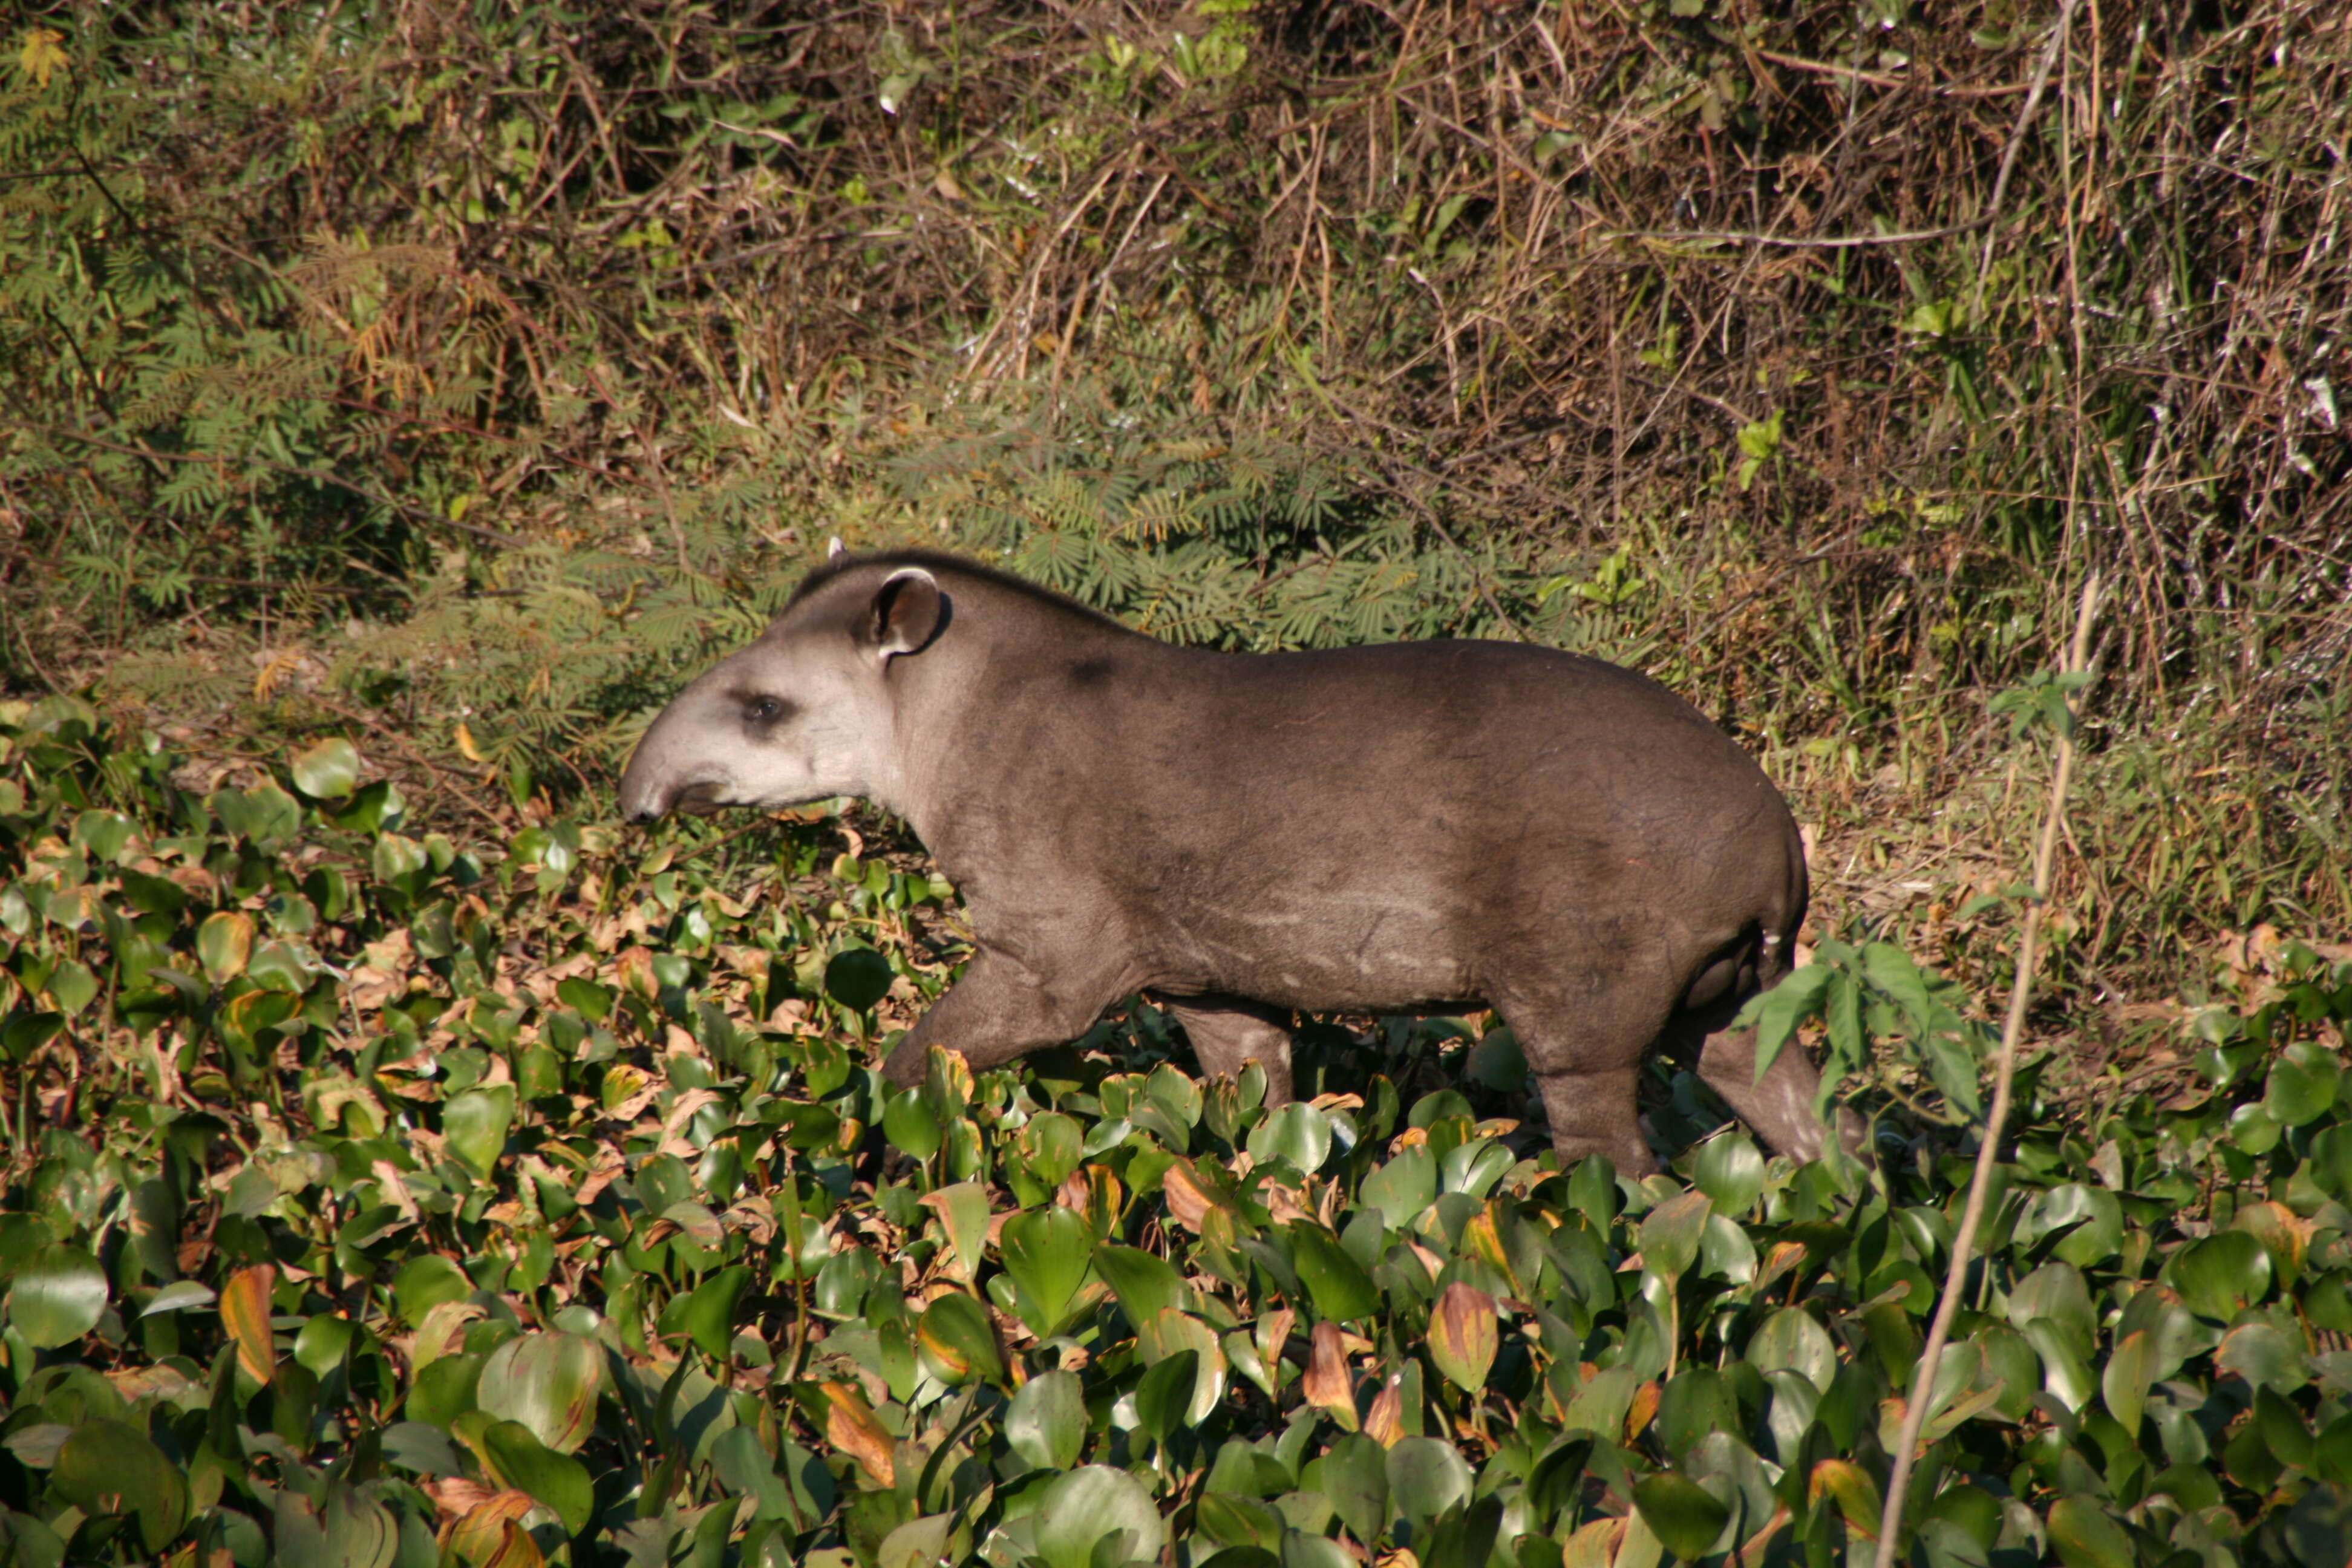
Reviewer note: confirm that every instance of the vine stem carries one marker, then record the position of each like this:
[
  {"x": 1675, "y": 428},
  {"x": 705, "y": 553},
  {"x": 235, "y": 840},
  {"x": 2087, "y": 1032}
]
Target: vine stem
[{"x": 2028, "y": 954}]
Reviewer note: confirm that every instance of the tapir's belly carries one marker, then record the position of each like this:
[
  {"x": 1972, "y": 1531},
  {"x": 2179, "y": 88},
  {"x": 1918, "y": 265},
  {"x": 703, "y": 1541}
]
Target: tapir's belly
[{"x": 1362, "y": 951}]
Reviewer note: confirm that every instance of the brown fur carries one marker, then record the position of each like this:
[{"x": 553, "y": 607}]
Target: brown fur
[{"x": 1408, "y": 825}]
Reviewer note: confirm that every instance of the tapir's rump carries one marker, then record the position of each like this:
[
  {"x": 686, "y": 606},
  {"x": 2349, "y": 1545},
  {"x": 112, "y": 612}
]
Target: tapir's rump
[{"x": 1404, "y": 825}]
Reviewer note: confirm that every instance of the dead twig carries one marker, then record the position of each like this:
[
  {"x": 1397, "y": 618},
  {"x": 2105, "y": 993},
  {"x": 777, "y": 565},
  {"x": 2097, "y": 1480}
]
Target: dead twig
[{"x": 1939, "y": 1331}]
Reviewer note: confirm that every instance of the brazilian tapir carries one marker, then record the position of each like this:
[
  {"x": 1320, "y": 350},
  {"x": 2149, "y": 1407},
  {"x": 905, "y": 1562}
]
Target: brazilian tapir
[{"x": 1405, "y": 827}]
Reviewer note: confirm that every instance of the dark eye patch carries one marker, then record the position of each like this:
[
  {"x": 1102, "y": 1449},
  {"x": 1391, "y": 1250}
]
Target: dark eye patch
[{"x": 763, "y": 709}]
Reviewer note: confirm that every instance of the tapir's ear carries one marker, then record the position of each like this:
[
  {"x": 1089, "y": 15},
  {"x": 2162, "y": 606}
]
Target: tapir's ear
[{"x": 908, "y": 612}]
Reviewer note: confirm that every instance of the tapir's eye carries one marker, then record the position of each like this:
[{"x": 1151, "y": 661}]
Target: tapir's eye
[{"x": 765, "y": 710}]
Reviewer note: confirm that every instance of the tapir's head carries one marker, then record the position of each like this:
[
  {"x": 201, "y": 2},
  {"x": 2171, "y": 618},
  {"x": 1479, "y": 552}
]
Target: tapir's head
[{"x": 806, "y": 712}]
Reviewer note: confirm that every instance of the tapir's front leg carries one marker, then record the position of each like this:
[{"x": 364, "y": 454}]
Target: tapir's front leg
[{"x": 1000, "y": 1009}]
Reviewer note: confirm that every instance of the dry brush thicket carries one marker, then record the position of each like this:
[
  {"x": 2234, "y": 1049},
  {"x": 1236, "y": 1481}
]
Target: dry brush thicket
[{"x": 385, "y": 369}]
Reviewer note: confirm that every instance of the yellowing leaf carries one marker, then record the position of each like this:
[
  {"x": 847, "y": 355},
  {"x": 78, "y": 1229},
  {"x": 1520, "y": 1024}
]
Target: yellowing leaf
[
  {"x": 1463, "y": 1338},
  {"x": 481, "y": 1532},
  {"x": 1384, "y": 1421},
  {"x": 850, "y": 1426},
  {"x": 1327, "y": 1382},
  {"x": 245, "y": 1313},
  {"x": 1850, "y": 1487},
  {"x": 41, "y": 58}
]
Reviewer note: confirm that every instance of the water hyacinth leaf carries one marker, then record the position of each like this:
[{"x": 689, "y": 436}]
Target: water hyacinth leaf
[
  {"x": 1403, "y": 1187},
  {"x": 958, "y": 1342},
  {"x": 1463, "y": 1336},
  {"x": 1235, "y": 1522},
  {"x": 108, "y": 1467},
  {"x": 1335, "y": 1281},
  {"x": 423, "y": 1447},
  {"x": 446, "y": 1388},
  {"x": 2084, "y": 1535},
  {"x": 857, "y": 978},
  {"x": 747, "y": 1469},
  {"x": 1426, "y": 1476},
  {"x": 103, "y": 833},
  {"x": 243, "y": 1020},
  {"x": 2099, "y": 1237},
  {"x": 343, "y": 1529},
  {"x": 179, "y": 1296},
  {"x": 2283, "y": 1235},
  {"x": 1175, "y": 1095},
  {"x": 1355, "y": 1478},
  {"x": 2302, "y": 1085},
  {"x": 549, "y": 1381},
  {"x": 917, "y": 1544},
  {"x": 320, "y": 1345},
  {"x": 2265, "y": 1355},
  {"x": 1145, "y": 1284},
  {"x": 1795, "y": 1340},
  {"x": 963, "y": 1215},
  {"x": 1776, "y": 1013},
  {"x": 1724, "y": 1252},
  {"x": 1601, "y": 1405},
  {"x": 2124, "y": 1381},
  {"x": 1297, "y": 1132},
  {"x": 2218, "y": 1277},
  {"x": 1730, "y": 1172},
  {"x": 425, "y": 1282},
  {"x": 1046, "y": 1421},
  {"x": 908, "y": 1125},
  {"x": 490, "y": 1534},
  {"x": 842, "y": 1283},
  {"x": 224, "y": 944},
  {"x": 475, "y": 1123},
  {"x": 1671, "y": 1232},
  {"x": 245, "y": 1314},
  {"x": 72, "y": 986},
  {"x": 1164, "y": 1397},
  {"x": 851, "y": 1427},
  {"x": 57, "y": 1296},
  {"x": 1326, "y": 1381},
  {"x": 1049, "y": 1253},
  {"x": 1097, "y": 1509},
  {"x": 706, "y": 1314},
  {"x": 1051, "y": 1146},
  {"x": 277, "y": 966},
  {"x": 1680, "y": 1512},
  {"x": 1848, "y": 1485},
  {"x": 328, "y": 771},
  {"x": 2056, "y": 1291},
  {"x": 520, "y": 1461},
  {"x": 2063, "y": 1370},
  {"x": 1170, "y": 1334}
]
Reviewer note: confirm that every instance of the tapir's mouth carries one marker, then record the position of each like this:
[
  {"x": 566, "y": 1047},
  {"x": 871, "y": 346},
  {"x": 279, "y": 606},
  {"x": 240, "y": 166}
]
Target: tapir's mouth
[{"x": 699, "y": 799}]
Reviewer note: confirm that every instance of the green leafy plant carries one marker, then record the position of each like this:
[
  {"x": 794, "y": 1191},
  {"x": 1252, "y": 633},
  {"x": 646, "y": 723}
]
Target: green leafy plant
[{"x": 543, "y": 1200}]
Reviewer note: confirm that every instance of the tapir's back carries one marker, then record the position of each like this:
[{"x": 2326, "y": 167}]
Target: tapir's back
[{"x": 1388, "y": 825}]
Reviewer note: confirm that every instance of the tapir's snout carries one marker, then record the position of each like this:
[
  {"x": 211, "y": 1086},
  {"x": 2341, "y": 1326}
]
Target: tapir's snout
[
  {"x": 641, "y": 801},
  {"x": 649, "y": 786}
]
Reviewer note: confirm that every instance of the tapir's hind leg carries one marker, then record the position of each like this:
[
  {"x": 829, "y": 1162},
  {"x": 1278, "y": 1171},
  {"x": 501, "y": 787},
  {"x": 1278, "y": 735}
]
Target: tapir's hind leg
[
  {"x": 1228, "y": 1033},
  {"x": 1779, "y": 1107}
]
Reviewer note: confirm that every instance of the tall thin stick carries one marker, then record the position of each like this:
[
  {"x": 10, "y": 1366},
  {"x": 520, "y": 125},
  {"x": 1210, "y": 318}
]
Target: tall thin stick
[{"x": 2028, "y": 954}]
